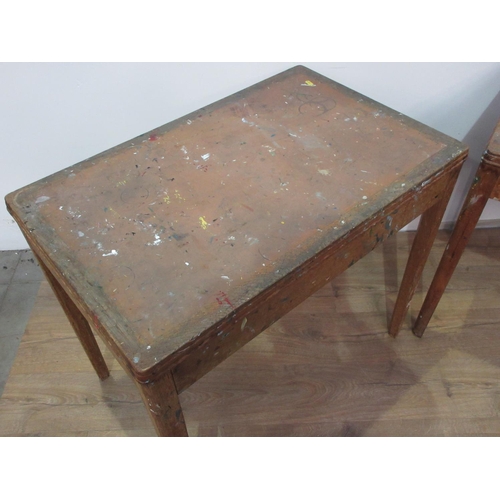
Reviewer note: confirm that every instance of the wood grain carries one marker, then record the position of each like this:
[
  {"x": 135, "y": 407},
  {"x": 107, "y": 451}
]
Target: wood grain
[{"x": 328, "y": 368}]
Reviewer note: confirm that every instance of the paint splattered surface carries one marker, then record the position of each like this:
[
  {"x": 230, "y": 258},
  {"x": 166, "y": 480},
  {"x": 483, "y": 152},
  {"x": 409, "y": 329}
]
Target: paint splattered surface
[{"x": 169, "y": 233}]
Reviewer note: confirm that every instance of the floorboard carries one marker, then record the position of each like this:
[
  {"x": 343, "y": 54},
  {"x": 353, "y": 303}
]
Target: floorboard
[{"x": 328, "y": 368}]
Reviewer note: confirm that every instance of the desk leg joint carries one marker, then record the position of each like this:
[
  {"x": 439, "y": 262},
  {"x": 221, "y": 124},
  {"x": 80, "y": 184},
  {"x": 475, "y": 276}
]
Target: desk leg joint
[{"x": 162, "y": 403}]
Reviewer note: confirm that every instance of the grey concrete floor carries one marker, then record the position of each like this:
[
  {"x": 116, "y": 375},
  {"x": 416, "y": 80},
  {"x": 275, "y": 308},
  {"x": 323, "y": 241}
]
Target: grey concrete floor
[{"x": 20, "y": 278}]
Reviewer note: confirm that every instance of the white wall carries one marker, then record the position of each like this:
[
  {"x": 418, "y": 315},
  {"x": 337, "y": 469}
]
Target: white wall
[{"x": 53, "y": 115}]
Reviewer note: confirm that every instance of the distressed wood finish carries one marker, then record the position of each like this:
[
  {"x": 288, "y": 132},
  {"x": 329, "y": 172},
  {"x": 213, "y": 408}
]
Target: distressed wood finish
[
  {"x": 162, "y": 402},
  {"x": 486, "y": 185},
  {"x": 181, "y": 245},
  {"x": 243, "y": 325},
  {"x": 427, "y": 229},
  {"x": 79, "y": 323}
]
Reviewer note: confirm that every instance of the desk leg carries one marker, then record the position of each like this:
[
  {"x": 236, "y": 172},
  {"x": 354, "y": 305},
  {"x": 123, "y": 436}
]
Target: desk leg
[
  {"x": 162, "y": 402},
  {"x": 422, "y": 244},
  {"x": 79, "y": 324},
  {"x": 472, "y": 209}
]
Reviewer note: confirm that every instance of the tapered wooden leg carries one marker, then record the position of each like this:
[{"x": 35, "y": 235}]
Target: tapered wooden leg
[
  {"x": 426, "y": 233},
  {"x": 162, "y": 402},
  {"x": 473, "y": 206},
  {"x": 79, "y": 324}
]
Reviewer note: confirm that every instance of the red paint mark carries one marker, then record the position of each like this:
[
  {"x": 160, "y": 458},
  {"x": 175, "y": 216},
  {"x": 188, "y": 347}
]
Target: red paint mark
[
  {"x": 153, "y": 137},
  {"x": 247, "y": 207},
  {"x": 222, "y": 299}
]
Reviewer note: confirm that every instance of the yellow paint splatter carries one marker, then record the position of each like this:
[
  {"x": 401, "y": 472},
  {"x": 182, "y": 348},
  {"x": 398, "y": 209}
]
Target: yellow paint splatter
[
  {"x": 203, "y": 222},
  {"x": 308, "y": 83},
  {"x": 114, "y": 211},
  {"x": 121, "y": 183},
  {"x": 166, "y": 199},
  {"x": 178, "y": 196}
]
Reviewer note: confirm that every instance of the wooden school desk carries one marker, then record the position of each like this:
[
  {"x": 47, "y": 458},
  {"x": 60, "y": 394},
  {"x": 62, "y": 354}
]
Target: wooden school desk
[{"x": 180, "y": 246}]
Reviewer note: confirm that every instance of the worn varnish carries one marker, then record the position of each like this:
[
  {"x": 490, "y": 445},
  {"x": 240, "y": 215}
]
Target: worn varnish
[
  {"x": 181, "y": 245},
  {"x": 486, "y": 185}
]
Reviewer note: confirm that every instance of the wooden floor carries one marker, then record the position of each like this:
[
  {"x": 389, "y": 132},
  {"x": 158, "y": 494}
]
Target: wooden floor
[{"x": 326, "y": 369}]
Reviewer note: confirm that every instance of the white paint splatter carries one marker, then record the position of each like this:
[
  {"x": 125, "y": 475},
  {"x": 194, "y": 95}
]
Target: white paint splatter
[
  {"x": 41, "y": 199},
  {"x": 80, "y": 234},
  {"x": 244, "y": 120},
  {"x": 252, "y": 241},
  {"x": 324, "y": 172},
  {"x": 113, "y": 252},
  {"x": 475, "y": 199},
  {"x": 205, "y": 156},
  {"x": 157, "y": 240}
]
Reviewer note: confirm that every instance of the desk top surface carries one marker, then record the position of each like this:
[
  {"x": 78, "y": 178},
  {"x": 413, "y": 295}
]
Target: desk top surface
[{"x": 167, "y": 234}]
